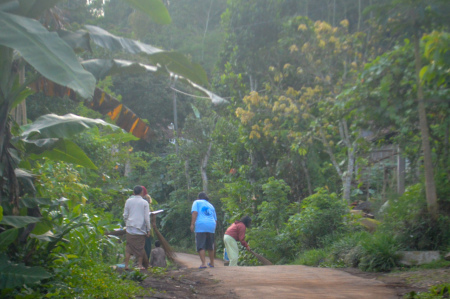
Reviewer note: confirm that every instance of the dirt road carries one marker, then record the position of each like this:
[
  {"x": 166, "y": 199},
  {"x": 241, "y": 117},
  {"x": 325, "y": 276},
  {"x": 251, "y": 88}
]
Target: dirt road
[{"x": 289, "y": 281}]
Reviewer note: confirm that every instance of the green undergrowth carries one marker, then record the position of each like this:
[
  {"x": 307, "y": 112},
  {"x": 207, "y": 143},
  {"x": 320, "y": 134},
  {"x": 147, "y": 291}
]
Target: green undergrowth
[
  {"x": 440, "y": 291},
  {"x": 84, "y": 278}
]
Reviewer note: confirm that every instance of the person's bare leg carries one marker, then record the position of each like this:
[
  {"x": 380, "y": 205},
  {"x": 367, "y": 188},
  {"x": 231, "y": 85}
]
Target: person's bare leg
[
  {"x": 127, "y": 259},
  {"x": 201, "y": 253},
  {"x": 211, "y": 254},
  {"x": 140, "y": 262}
]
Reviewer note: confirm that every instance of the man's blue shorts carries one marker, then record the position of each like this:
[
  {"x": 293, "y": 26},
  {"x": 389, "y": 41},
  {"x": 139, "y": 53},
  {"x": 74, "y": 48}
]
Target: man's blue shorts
[{"x": 204, "y": 241}]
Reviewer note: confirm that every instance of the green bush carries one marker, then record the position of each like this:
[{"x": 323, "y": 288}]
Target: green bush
[
  {"x": 407, "y": 218},
  {"x": 354, "y": 256},
  {"x": 313, "y": 257},
  {"x": 83, "y": 278},
  {"x": 340, "y": 249},
  {"x": 379, "y": 253},
  {"x": 322, "y": 214},
  {"x": 435, "y": 292}
]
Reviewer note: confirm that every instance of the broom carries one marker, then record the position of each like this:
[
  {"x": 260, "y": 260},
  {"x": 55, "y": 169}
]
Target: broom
[
  {"x": 170, "y": 254},
  {"x": 260, "y": 258}
]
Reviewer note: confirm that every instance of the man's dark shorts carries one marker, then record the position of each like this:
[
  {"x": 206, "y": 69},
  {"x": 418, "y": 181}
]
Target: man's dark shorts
[{"x": 204, "y": 241}]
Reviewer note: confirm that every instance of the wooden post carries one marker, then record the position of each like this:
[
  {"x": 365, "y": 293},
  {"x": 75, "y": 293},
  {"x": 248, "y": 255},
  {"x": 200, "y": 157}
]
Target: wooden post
[{"x": 400, "y": 172}]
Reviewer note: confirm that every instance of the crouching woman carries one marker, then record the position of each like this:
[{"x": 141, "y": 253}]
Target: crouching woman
[{"x": 234, "y": 233}]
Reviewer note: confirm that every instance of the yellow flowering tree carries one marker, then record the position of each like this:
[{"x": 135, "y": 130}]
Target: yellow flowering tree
[{"x": 300, "y": 106}]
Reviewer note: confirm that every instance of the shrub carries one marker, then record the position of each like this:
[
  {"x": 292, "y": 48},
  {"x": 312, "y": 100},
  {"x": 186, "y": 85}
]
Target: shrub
[
  {"x": 322, "y": 214},
  {"x": 313, "y": 257},
  {"x": 341, "y": 249},
  {"x": 380, "y": 253},
  {"x": 435, "y": 292},
  {"x": 354, "y": 256},
  {"x": 407, "y": 218}
]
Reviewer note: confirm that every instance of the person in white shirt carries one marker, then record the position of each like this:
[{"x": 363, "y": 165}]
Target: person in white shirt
[{"x": 137, "y": 220}]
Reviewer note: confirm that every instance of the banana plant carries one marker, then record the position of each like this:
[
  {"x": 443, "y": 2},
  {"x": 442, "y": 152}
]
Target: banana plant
[{"x": 52, "y": 58}]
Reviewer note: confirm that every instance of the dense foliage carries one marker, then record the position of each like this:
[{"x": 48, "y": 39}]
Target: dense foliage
[{"x": 325, "y": 103}]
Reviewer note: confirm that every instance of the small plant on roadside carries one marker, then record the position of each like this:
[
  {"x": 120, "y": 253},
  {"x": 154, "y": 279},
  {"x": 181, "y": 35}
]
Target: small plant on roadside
[
  {"x": 157, "y": 271},
  {"x": 313, "y": 257},
  {"x": 135, "y": 275},
  {"x": 440, "y": 291}
]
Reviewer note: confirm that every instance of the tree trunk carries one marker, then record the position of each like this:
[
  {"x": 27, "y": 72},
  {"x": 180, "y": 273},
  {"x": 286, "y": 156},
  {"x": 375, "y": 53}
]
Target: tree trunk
[
  {"x": 186, "y": 173},
  {"x": 206, "y": 28},
  {"x": 359, "y": 16},
  {"x": 400, "y": 172},
  {"x": 308, "y": 179},
  {"x": 348, "y": 175},
  {"x": 19, "y": 113},
  {"x": 175, "y": 119},
  {"x": 430, "y": 186},
  {"x": 203, "y": 168}
]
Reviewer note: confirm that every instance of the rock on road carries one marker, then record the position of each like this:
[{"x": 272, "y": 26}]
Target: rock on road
[{"x": 290, "y": 281}]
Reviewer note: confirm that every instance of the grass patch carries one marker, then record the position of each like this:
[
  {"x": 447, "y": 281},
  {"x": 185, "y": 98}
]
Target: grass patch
[{"x": 313, "y": 257}]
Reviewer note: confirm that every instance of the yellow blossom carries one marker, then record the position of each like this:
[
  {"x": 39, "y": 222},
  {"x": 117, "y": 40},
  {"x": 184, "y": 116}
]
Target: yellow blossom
[
  {"x": 291, "y": 92},
  {"x": 293, "y": 48},
  {"x": 344, "y": 23},
  {"x": 302, "y": 27},
  {"x": 254, "y": 134},
  {"x": 305, "y": 47}
]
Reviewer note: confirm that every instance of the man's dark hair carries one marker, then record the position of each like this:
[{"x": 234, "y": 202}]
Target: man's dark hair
[
  {"x": 202, "y": 195},
  {"x": 157, "y": 243},
  {"x": 137, "y": 190},
  {"x": 246, "y": 220}
]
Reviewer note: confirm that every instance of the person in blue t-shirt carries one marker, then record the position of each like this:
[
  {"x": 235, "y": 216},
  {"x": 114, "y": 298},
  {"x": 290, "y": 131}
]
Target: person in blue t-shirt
[{"x": 203, "y": 223}]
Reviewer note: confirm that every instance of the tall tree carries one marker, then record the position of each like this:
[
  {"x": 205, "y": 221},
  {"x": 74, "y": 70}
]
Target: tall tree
[{"x": 412, "y": 18}]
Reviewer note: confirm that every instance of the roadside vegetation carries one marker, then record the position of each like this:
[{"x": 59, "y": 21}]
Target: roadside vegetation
[{"x": 327, "y": 124}]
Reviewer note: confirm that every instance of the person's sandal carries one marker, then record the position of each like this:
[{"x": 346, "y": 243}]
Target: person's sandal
[{"x": 211, "y": 266}]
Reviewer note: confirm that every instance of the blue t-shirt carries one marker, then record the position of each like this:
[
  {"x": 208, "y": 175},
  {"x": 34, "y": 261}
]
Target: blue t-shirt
[{"x": 206, "y": 218}]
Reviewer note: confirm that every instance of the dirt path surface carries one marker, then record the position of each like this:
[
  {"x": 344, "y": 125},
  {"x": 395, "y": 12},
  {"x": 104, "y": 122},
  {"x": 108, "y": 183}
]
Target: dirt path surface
[{"x": 283, "y": 281}]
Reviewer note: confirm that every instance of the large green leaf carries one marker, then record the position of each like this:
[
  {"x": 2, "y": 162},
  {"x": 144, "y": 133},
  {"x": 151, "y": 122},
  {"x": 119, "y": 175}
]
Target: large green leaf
[
  {"x": 34, "y": 8},
  {"x": 42, "y": 227},
  {"x": 55, "y": 126},
  {"x": 26, "y": 178},
  {"x": 76, "y": 40},
  {"x": 177, "y": 63},
  {"x": 32, "y": 202},
  {"x": 67, "y": 151},
  {"x": 154, "y": 8},
  {"x": 101, "y": 68},
  {"x": 112, "y": 42},
  {"x": 12, "y": 275},
  {"x": 18, "y": 221},
  {"x": 8, "y": 236},
  {"x": 47, "y": 237},
  {"x": 170, "y": 61},
  {"x": 46, "y": 52}
]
